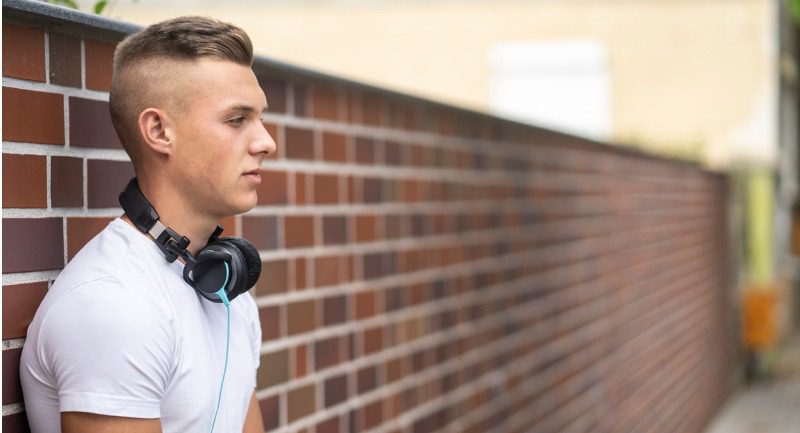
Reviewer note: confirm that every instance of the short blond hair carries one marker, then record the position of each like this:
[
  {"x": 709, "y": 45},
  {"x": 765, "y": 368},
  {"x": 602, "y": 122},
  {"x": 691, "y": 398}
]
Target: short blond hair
[{"x": 182, "y": 39}]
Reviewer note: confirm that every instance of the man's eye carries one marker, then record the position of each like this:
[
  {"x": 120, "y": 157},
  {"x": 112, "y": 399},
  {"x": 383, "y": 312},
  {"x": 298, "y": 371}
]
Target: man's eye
[{"x": 236, "y": 120}]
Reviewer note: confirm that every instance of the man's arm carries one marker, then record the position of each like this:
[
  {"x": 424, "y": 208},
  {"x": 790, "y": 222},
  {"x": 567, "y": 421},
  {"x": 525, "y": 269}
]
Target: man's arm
[
  {"x": 253, "y": 423},
  {"x": 82, "y": 422}
]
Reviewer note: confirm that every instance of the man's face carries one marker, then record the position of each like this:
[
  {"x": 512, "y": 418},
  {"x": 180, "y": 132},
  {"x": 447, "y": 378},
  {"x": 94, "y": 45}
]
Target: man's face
[{"x": 219, "y": 138}]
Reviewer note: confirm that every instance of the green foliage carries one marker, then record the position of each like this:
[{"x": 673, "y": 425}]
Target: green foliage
[
  {"x": 794, "y": 10},
  {"x": 99, "y": 7}
]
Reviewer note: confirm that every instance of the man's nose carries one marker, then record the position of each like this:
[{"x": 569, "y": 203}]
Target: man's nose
[{"x": 264, "y": 143}]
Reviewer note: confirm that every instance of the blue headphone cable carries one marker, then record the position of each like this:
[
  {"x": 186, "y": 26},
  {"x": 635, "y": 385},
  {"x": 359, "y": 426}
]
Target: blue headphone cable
[{"x": 224, "y": 298}]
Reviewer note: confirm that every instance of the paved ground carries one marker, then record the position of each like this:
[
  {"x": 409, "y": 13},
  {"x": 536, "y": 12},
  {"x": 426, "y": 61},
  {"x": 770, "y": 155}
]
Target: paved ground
[{"x": 769, "y": 406}]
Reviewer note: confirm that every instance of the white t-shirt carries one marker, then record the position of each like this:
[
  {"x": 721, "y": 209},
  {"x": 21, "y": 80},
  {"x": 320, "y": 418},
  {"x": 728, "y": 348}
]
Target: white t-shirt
[{"x": 120, "y": 333}]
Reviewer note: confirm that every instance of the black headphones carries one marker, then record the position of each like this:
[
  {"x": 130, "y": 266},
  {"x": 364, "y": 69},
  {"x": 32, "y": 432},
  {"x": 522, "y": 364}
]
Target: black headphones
[{"x": 226, "y": 265}]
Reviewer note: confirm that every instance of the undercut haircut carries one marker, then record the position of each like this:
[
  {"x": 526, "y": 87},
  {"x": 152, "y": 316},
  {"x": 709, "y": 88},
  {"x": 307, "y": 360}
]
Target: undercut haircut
[{"x": 141, "y": 56}]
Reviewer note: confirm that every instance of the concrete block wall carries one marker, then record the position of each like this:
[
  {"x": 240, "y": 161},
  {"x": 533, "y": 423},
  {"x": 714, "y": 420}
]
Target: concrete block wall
[{"x": 426, "y": 268}]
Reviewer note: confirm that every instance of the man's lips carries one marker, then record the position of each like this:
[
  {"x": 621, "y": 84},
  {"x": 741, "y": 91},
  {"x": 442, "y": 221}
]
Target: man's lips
[{"x": 254, "y": 175}]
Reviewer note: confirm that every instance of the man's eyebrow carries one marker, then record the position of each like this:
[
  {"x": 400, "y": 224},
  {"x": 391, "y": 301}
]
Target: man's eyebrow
[{"x": 247, "y": 108}]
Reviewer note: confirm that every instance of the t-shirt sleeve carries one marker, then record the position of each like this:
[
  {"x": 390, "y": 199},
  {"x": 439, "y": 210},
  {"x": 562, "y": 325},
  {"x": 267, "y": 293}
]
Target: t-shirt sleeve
[
  {"x": 254, "y": 325},
  {"x": 110, "y": 352}
]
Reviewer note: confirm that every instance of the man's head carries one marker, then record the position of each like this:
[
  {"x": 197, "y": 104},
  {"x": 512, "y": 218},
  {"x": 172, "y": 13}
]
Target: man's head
[
  {"x": 146, "y": 68},
  {"x": 187, "y": 108}
]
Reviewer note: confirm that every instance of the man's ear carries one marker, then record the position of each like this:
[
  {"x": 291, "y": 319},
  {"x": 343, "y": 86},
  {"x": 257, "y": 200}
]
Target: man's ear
[{"x": 157, "y": 130}]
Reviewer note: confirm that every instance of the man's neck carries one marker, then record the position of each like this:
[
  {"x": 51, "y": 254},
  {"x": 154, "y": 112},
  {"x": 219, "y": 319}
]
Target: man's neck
[{"x": 178, "y": 215}]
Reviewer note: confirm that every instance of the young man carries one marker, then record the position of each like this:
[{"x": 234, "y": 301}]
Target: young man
[{"x": 121, "y": 343}]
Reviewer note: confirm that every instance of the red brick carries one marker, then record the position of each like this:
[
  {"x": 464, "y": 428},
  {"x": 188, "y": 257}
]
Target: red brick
[
  {"x": 365, "y": 228},
  {"x": 22, "y": 244},
  {"x": 300, "y": 355},
  {"x": 326, "y": 189},
  {"x": 300, "y": 99},
  {"x": 301, "y": 402},
  {"x": 90, "y": 124},
  {"x": 372, "y": 414},
  {"x": 300, "y": 274},
  {"x": 372, "y": 110},
  {"x": 16, "y": 423},
  {"x": 273, "y": 277},
  {"x": 365, "y": 150},
  {"x": 334, "y": 229},
  {"x": 66, "y": 182},
  {"x": 334, "y": 310},
  {"x": 270, "y": 322},
  {"x": 105, "y": 180},
  {"x": 365, "y": 305},
  {"x": 301, "y": 317},
  {"x": 330, "y": 425},
  {"x": 325, "y": 103},
  {"x": 327, "y": 353},
  {"x": 273, "y": 188},
  {"x": 261, "y": 231},
  {"x": 23, "y": 53},
  {"x": 35, "y": 117},
  {"x": 367, "y": 379},
  {"x": 373, "y": 340},
  {"x": 82, "y": 230},
  {"x": 301, "y": 188},
  {"x": 299, "y": 143},
  {"x": 20, "y": 302},
  {"x": 327, "y": 271},
  {"x": 12, "y": 389},
  {"x": 299, "y": 231},
  {"x": 274, "y": 89},
  {"x": 24, "y": 181},
  {"x": 99, "y": 60},
  {"x": 334, "y": 147}
]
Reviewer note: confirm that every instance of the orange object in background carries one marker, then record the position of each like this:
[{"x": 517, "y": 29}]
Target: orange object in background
[{"x": 759, "y": 319}]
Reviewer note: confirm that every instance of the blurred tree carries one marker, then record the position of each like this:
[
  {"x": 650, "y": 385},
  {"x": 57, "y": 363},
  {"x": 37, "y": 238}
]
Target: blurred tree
[{"x": 794, "y": 10}]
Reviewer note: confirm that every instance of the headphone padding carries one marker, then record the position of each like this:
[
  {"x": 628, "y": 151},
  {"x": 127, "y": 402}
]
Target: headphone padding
[{"x": 252, "y": 260}]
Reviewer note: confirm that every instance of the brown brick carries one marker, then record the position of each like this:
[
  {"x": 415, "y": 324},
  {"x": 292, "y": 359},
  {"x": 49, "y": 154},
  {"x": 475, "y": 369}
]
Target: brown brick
[
  {"x": 301, "y": 402},
  {"x": 301, "y": 317},
  {"x": 35, "y": 117},
  {"x": 335, "y": 390},
  {"x": 261, "y": 231},
  {"x": 24, "y": 181},
  {"x": 372, "y": 190},
  {"x": 395, "y": 369},
  {"x": 365, "y": 228},
  {"x": 274, "y": 369},
  {"x": 327, "y": 353},
  {"x": 23, "y": 53},
  {"x": 334, "y": 147},
  {"x": 393, "y": 153},
  {"x": 82, "y": 230},
  {"x": 325, "y": 103},
  {"x": 365, "y": 305},
  {"x": 105, "y": 180},
  {"x": 65, "y": 59},
  {"x": 299, "y": 143},
  {"x": 300, "y": 355},
  {"x": 372, "y": 110},
  {"x": 270, "y": 322},
  {"x": 274, "y": 277},
  {"x": 330, "y": 425},
  {"x": 334, "y": 230},
  {"x": 66, "y": 182},
  {"x": 300, "y": 99},
  {"x": 372, "y": 414},
  {"x": 273, "y": 188},
  {"x": 326, "y": 189},
  {"x": 365, "y": 150},
  {"x": 20, "y": 302},
  {"x": 367, "y": 379},
  {"x": 327, "y": 271},
  {"x": 300, "y": 273},
  {"x": 270, "y": 411},
  {"x": 373, "y": 340},
  {"x": 23, "y": 240},
  {"x": 334, "y": 310},
  {"x": 301, "y": 188},
  {"x": 299, "y": 231},
  {"x": 99, "y": 59},
  {"x": 90, "y": 124},
  {"x": 12, "y": 389}
]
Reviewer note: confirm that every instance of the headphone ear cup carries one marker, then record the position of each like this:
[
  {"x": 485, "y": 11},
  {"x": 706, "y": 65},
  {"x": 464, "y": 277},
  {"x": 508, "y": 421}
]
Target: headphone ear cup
[{"x": 252, "y": 260}]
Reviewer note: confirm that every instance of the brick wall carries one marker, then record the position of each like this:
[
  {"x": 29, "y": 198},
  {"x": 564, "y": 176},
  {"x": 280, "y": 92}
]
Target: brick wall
[{"x": 425, "y": 268}]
